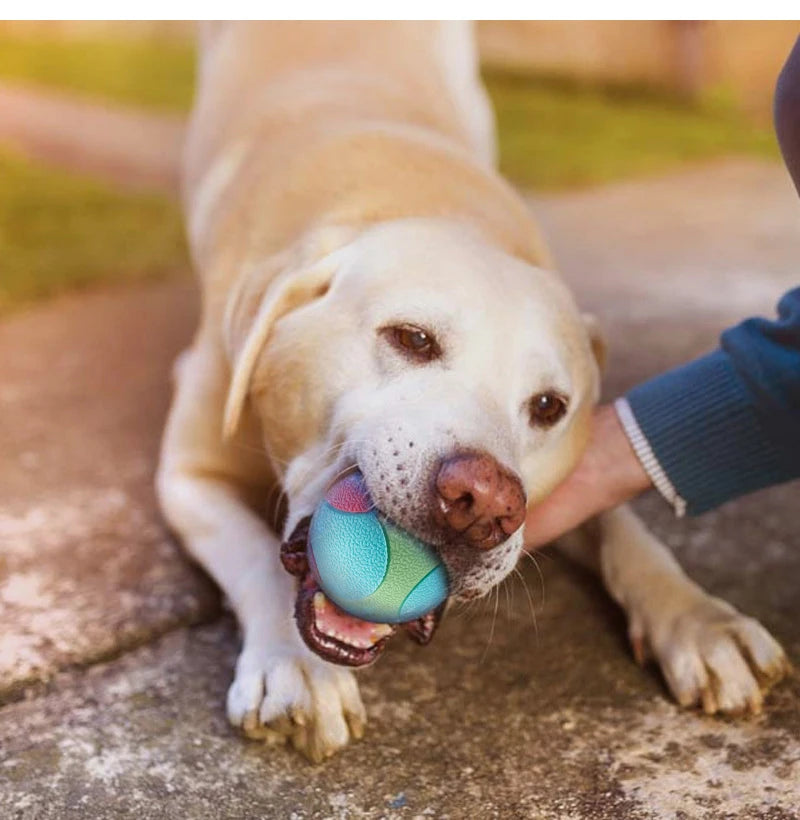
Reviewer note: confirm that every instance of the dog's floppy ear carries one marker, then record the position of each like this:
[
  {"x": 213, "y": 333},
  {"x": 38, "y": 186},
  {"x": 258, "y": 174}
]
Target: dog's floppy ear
[
  {"x": 597, "y": 340},
  {"x": 248, "y": 322}
]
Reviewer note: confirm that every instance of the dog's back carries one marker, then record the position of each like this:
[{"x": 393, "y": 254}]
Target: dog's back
[
  {"x": 298, "y": 110},
  {"x": 411, "y": 72}
]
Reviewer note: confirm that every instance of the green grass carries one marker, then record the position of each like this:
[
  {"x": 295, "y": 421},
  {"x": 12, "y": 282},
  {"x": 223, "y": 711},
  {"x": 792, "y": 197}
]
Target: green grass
[
  {"x": 157, "y": 73},
  {"x": 60, "y": 231},
  {"x": 555, "y": 134}
]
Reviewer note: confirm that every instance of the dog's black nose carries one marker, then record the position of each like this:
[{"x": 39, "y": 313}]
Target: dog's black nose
[{"x": 478, "y": 499}]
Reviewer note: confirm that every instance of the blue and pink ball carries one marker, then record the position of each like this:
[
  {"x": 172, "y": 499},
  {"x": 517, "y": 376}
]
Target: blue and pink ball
[{"x": 367, "y": 565}]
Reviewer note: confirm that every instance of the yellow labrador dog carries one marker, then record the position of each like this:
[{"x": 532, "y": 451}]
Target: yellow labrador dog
[{"x": 374, "y": 294}]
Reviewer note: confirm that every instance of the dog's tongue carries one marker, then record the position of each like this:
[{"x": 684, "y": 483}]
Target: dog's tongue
[
  {"x": 338, "y": 624},
  {"x": 332, "y": 633}
]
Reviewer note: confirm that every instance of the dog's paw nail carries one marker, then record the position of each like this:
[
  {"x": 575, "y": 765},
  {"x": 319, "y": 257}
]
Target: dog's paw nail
[
  {"x": 274, "y": 739},
  {"x": 709, "y": 702},
  {"x": 356, "y": 724},
  {"x": 282, "y": 699},
  {"x": 299, "y": 717},
  {"x": 282, "y": 724},
  {"x": 640, "y": 650},
  {"x": 755, "y": 705}
]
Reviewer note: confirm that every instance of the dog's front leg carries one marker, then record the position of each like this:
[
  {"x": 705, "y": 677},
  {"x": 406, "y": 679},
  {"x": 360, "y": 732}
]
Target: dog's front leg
[
  {"x": 709, "y": 652},
  {"x": 207, "y": 489}
]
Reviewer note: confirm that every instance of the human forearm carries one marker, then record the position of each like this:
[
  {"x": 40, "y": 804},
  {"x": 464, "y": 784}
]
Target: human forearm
[{"x": 728, "y": 423}]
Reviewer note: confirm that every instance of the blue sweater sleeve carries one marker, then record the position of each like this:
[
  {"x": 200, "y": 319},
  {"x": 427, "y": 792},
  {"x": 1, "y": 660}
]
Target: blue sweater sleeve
[{"x": 729, "y": 423}]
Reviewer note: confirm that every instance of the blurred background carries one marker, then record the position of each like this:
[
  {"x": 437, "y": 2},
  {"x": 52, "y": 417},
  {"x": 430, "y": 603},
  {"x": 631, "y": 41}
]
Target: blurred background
[{"x": 90, "y": 122}]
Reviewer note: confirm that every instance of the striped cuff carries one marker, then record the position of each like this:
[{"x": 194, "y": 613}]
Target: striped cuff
[
  {"x": 644, "y": 452},
  {"x": 701, "y": 422}
]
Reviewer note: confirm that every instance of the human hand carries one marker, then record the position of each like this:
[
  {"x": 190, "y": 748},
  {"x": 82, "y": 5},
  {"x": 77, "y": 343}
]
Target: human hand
[{"x": 608, "y": 474}]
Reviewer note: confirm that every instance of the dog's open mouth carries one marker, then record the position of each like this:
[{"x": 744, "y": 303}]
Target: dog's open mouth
[{"x": 332, "y": 633}]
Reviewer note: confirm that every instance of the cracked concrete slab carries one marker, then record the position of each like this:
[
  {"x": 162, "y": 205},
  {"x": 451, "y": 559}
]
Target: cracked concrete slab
[
  {"x": 86, "y": 567},
  {"x": 493, "y": 720}
]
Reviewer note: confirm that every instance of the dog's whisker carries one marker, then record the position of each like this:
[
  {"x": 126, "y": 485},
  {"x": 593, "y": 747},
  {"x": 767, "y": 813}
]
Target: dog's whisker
[
  {"x": 543, "y": 553},
  {"x": 505, "y": 586},
  {"x": 474, "y": 609},
  {"x": 320, "y": 462},
  {"x": 496, "y": 596},
  {"x": 541, "y": 577},
  {"x": 531, "y": 605},
  {"x": 250, "y": 448},
  {"x": 539, "y": 571},
  {"x": 465, "y": 609},
  {"x": 275, "y": 495}
]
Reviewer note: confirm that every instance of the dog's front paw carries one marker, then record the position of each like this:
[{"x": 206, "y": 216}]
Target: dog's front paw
[
  {"x": 289, "y": 695},
  {"x": 711, "y": 655}
]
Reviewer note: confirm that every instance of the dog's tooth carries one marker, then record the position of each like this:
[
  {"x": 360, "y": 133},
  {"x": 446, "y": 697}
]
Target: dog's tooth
[{"x": 381, "y": 631}]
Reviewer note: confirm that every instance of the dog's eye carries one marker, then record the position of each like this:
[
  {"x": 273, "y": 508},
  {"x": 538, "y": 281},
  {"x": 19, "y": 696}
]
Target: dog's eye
[
  {"x": 547, "y": 408},
  {"x": 414, "y": 342}
]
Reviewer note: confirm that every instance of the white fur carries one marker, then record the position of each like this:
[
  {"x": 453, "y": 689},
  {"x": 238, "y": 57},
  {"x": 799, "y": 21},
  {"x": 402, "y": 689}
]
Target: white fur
[
  {"x": 461, "y": 68},
  {"x": 211, "y": 188},
  {"x": 710, "y": 654}
]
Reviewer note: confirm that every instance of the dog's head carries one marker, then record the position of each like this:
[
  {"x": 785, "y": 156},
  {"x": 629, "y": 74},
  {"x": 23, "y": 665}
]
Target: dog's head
[{"x": 458, "y": 378}]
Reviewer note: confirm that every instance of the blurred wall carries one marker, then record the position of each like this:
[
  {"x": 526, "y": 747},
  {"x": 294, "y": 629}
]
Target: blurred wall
[
  {"x": 98, "y": 28},
  {"x": 740, "y": 58},
  {"x": 592, "y": 50},
  {"x": 747, "y": 56}
]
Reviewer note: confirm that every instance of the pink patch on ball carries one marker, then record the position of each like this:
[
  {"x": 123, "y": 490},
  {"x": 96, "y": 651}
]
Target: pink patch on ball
[{"x": 349, "y": 495}]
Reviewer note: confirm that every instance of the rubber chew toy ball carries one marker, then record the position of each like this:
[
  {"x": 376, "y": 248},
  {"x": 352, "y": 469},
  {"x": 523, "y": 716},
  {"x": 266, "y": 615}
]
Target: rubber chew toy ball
[{"x": 366, "y": 565}]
